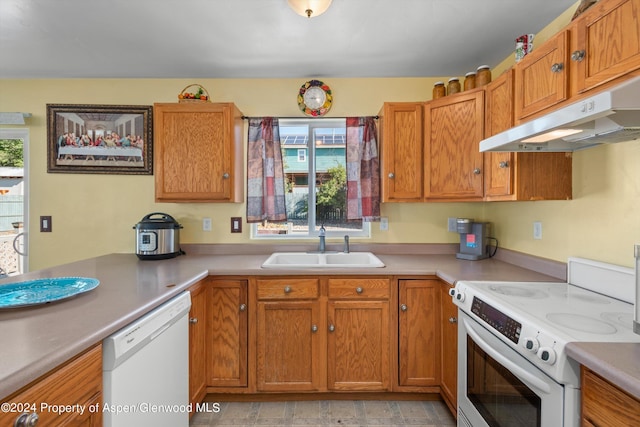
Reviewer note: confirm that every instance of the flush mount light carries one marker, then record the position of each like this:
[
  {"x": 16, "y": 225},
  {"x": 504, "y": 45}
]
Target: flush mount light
[{"x": 309, "y": 8}]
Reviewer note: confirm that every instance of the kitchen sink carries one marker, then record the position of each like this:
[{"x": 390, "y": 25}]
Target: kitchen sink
[{"x": 323, "y": 260}]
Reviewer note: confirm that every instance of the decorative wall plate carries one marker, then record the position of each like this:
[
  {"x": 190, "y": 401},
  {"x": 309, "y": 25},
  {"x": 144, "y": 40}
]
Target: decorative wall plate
[
  {"x": 41, "y": 291},
  {"x": 315, "y": 98}
]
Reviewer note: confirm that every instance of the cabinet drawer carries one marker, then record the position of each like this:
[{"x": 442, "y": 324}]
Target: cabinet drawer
[
  {"x": 359, "y": 288},
  {"x": 287, "y": 288}
]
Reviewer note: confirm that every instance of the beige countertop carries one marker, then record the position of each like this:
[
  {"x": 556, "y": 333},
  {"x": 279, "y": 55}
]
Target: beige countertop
[
  {"x": 619, "y": 362},
  {"x": 37, "y": 339}
]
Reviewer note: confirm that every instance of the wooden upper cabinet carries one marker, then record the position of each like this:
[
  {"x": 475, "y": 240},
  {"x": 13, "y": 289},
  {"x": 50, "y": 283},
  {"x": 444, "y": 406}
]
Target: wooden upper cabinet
[
  {"x": 198, "y": 152},
  {"x": 498, "y": 172},
  {"x": 542, "y": 77},
  {"x": 401, "y": 140},
  {"x": 606, "y": 42},
  {"x": 454, "y": 127},
  {"x": 520, "y": 176}
]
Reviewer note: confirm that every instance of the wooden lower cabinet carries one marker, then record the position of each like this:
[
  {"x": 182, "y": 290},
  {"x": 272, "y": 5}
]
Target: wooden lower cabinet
[
  {"x": 197, "y": 342},
  {"x": 227, "y": 333},
  {"x": 449, "y": 345},
  {"x": 321, "y": 335},
  {"x": 418, "y": 332},
  {"x": 289, "y": 346},
  {"x": 78, "y": 382},
  {"x": 605, "y": 405},
  {"x": 358, "y": 345}
]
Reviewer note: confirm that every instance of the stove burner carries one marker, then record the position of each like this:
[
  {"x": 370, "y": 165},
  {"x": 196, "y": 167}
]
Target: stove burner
[
  {"x": 515, "y": 291},
  {"x": 623, "y": 319},
  {"x": 581, "y": 323},
  {"x": 581, "y": 296}
]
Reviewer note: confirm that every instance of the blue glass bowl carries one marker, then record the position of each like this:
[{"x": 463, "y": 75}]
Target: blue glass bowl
[{"x": 41, "y": 291}]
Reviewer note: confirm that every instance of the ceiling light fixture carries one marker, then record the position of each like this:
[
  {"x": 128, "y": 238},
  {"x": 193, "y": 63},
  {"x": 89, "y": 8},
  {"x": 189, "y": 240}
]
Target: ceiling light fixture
[{"x": 309, "y": 8}]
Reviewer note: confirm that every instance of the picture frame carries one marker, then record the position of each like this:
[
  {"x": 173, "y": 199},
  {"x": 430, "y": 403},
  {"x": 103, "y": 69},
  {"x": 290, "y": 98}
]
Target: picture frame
[{"x": 100, "y": 139}]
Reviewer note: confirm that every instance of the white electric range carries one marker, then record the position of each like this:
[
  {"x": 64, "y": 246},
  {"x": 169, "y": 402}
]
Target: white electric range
[{"x": 513, "y": 369}]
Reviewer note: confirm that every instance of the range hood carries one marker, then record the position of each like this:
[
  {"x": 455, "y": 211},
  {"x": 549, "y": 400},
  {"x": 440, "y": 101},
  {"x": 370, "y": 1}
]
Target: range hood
[{"x": 607, "y": 117}]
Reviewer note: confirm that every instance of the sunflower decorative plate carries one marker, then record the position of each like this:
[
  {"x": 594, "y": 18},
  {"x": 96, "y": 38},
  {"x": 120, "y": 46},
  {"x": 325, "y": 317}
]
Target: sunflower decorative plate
[{"x": 315, "y": 98}]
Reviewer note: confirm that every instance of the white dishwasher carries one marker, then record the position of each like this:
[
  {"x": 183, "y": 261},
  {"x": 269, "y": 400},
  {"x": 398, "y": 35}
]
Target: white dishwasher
[{"x": 145, "y": 369}]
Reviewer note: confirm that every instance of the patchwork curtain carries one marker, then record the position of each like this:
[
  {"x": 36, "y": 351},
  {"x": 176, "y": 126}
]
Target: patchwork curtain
[
  {"x": 265, "y": 172},
  {"x": 363, "y": 169}
]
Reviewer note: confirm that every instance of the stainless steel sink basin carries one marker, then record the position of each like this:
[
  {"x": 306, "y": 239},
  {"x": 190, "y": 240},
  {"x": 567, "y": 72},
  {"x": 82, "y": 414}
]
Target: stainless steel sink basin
[{"x": 322, "y": 260}]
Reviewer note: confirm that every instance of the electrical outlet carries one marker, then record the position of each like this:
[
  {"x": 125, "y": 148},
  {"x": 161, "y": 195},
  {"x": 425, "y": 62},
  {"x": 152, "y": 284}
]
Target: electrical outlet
[
  {"x": 537, "y": 230},
  {"x": 384, "y": 223},
  {"x": 452, "y": 224},
  {"x": 206, "y": 224}
]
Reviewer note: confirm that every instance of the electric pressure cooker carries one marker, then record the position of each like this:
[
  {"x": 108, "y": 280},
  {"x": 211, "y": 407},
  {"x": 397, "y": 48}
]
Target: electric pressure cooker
[{"x": 158, "y": 237}]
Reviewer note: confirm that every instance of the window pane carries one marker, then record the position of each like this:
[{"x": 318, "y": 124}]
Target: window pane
[{"x": 314, "y": 157}]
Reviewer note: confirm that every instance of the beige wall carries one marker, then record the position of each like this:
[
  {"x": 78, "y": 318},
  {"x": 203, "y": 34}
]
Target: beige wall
[{"x": 94, "y": 214}]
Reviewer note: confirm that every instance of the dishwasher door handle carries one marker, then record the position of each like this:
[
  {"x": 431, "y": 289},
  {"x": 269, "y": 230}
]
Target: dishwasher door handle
[{"x": 159, "y": 332}]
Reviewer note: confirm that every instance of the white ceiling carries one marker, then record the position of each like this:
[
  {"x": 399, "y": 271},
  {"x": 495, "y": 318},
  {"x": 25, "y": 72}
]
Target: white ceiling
[{"x": 261, "y": 38}]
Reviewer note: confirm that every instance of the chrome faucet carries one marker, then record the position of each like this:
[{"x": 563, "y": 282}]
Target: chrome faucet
[
  {"x": 346, "y": 244},
  {"x": 322, "y": 233}
]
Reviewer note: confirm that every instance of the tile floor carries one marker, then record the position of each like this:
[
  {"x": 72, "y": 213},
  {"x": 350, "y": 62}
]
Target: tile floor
[{"x": 334, "y": 413}]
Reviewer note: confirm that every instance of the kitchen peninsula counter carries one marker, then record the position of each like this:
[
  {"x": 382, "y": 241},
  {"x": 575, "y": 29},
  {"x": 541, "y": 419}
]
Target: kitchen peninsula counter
[{"x": 37, "y": 339}]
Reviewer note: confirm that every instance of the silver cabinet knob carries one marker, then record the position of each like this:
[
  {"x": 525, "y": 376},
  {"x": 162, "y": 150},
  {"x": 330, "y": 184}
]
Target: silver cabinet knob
[
  {"x": 557, "y": 67},
  {"x": 391, "y": 175},
  {"x": 225, "y": 175},
  {"x": 314, "y": 328},
  {"x": 26, "y": 420},
  {"x": 287, "y": 289},
  {"x": 453, "y": 320},
  {"x": 503, "y": 165},
  {"x": 403, "y": 307},
  {"x": 578, "y": 55},
  {"x": 332, "y": 328},
  {"x": 359, "y": 290},
  {"x": 243, "y": 307},
  {"x": 476, "y": 171},
  {"x": 193, "y": 320}
]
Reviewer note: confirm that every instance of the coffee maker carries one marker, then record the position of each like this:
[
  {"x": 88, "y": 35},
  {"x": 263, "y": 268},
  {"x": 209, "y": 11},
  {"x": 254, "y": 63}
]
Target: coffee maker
[{"x": 474, "y": 237}]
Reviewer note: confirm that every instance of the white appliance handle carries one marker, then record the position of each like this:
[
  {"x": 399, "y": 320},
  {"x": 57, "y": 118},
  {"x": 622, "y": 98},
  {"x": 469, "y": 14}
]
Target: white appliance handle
[{"x": 512, "y": 367}]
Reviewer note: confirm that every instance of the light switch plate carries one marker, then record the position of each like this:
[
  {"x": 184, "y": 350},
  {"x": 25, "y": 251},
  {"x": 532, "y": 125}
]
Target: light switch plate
[
  {"x": 452, "y": 224},
  {"x": 384, "y": 223},
  {"x": 236, "y": 224},
  {"x": 45, "y": 224},
  {"x": 537, "y": 230},
  {"x": 206, "y": 224}
]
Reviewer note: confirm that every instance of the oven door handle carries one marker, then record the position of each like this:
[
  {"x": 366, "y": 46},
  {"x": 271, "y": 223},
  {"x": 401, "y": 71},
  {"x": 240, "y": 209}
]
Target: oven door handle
[{"x": 512, "y": 367}]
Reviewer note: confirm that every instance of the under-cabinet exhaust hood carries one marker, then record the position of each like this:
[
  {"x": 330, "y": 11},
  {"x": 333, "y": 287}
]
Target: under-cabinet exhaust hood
[{"x": 607, "y": 117}]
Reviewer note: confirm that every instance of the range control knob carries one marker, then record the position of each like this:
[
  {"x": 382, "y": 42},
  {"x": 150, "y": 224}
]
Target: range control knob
[
  {"x": 547, "y": 355},
  {"x": 460, "y": 296},
  {"x": 452, "y": 292},
  {"x": 531, "y": 344}
]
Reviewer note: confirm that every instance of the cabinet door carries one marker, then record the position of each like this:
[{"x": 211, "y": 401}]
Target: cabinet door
[
  {"x": 542, "y": 77},
  {"x": 498, "y": 167},
  {"x": 78, "y": 382},
  {"x": 198, "y": 153},
  {"x": 604, "y": 404},
  {"x": 449, "y": 324},
  {"x": 290, "y": 343},
  {"x": 454, "y": 127},
  {"x": 358, "y": 345},
  {"x": 607, "y": 43},
  {"x": 227, "y": 333},
  {"x": 419, "y": 333},
  {"x": 197, "y": 343},
  {"x": 401, "y": 140}
]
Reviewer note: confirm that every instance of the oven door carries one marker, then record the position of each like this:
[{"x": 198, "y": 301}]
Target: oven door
[{"x": 499, "y": 388}]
